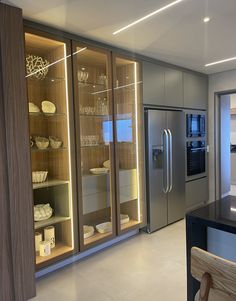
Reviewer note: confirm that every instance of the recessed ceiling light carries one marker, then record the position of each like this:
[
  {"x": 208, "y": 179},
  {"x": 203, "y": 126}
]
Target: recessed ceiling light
[
  {"x": 206, "y": 19},
  {"x": 147, "y": 16},
  {"x": 220, "y": 62}
]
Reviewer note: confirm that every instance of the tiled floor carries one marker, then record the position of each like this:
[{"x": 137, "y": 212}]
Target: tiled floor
[{"x": 145, "y": 267}]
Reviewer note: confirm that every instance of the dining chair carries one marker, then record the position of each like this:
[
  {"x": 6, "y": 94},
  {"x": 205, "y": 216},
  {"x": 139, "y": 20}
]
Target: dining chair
[{"x": 216, "y": 275}]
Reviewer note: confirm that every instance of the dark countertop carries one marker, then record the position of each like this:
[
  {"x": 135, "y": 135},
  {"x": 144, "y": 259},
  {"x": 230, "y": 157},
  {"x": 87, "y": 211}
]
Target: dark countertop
[{"x": 219, "y": 214}]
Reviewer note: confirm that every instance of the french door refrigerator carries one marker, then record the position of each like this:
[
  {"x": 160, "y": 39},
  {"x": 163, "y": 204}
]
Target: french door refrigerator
[{"x": 165, "y": 167}]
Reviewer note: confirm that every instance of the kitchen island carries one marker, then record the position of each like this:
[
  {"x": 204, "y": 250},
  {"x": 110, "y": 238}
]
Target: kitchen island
[{"x": 220, "y": 215}]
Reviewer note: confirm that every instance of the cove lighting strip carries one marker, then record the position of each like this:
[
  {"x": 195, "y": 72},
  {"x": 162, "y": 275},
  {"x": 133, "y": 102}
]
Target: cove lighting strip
[
  {"x": 220, "y": 62},
  {"x": 147, "y": 16},
  {"x": 137, "y": 136},
  {"x": 69, "y": 147}
]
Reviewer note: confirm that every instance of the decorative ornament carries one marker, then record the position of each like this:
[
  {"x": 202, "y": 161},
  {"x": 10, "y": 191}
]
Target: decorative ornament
[{"x": 36, "y": 66}]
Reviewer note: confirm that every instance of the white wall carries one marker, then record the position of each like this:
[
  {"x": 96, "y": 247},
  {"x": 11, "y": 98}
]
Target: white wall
[
  {"x": 219, "y": 82},
  {"x": 233, "y": 120}
]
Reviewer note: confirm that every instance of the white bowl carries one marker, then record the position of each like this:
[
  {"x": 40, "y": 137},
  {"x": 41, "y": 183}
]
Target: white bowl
[
  {"x": 88, "y": 231},
  {"x": 41, "y": 142},
  {"x": 42, "y": 212},
  {"x": 107, "y": 164},
  {"x": 39, "y": 176},
  {"x": 48, "y": 107},
  {"x": 55, "y": 142},
  {"x": 99, "y": 170},
  {"x": 104, "y": 227}
]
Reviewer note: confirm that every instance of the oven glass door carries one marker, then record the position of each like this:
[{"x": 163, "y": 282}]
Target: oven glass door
[{"x": 196, "y": 157}]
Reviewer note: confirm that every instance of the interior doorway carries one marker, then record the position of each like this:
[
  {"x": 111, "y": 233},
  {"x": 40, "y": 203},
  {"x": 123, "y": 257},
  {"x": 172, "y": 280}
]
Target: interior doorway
[{"x": 225, "y": 144}]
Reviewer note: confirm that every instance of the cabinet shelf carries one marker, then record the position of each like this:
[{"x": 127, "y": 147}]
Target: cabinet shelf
[
  {"x": 97, "y": 236},
  {"x": 49, "y": 149},
  {"x": 51, "y": 221},
  {"x": 96, "y": 115},
  {"x": 49, "y": 183},
  {"x": 97, "y": 145},
  {"x": 91, "y": 84},
  {"x": 46, "y": 114},
  {"x": 47, "y": 79},
  {"x": 130, "y": 224},
  {"x": 60, "y": 249}
]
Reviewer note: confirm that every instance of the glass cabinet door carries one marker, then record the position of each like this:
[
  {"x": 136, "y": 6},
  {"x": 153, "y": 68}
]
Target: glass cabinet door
[
  {"x": 129, "y": 148},
  {"x": 46, "y": 74},
  {"x": 95, "y": 151}
]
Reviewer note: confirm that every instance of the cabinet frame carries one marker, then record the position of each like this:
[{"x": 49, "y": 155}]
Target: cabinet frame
[
  {"x": 141, "y": 149},
  {"x": 84, "y": 247},
  {"x": 71, "y": 136}
]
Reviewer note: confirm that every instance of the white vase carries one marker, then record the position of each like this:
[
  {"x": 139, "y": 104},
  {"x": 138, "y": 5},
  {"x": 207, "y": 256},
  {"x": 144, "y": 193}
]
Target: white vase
[
  {"x": 49, "y": 235},
  {"x": 38, "y": 238},
  {"x": 44, "y": 248}
]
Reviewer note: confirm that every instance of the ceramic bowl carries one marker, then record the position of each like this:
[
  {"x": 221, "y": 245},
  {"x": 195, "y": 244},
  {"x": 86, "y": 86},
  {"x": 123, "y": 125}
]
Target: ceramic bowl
[
  {"x": 124, "y": 218},
  {"x": 55, "y": 142},
  {"x": 39, "y": 176},
  {"x": 42, "y": 212},
  {"x": 41, "y": 142}
]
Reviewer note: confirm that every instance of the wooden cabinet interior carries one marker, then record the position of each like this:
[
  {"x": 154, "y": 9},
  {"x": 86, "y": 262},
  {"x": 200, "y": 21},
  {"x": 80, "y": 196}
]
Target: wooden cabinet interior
[
  {"x": 56, "y": 161},
  {"x": 128, "y": 117}
]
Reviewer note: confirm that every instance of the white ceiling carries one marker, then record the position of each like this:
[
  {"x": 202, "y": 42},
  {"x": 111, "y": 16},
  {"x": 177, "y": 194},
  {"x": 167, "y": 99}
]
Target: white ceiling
[{"x": 177, "y": 35}]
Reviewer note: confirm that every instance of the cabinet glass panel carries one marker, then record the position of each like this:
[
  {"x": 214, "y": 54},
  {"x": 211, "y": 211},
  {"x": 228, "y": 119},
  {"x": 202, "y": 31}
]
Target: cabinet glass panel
[
  {"x": 128, "y": 109},
  {"x": 94, "y": 112},
  {"x": 46, "y": 73}
]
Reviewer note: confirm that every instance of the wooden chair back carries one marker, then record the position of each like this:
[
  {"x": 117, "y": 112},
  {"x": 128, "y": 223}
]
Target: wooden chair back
[{"x": 214, "y": 273}]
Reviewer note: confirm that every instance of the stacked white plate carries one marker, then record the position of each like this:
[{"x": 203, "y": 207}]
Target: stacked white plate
[
  {"x": 124, "y": 218},
  {"x": 88, "y": 231},
  {"x": 104, "y": 227},
  {"x": 99, "y": 170}
]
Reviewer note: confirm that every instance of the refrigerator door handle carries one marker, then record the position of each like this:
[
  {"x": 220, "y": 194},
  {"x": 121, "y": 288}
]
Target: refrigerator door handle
[
  {"x": 166, "y": 162},
  {"x": 170, "y": 145}
]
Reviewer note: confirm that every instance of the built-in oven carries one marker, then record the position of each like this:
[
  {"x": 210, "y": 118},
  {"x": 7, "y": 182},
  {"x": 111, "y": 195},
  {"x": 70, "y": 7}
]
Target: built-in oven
[
  {"x": 195, "y": 125},
  {"x": 196, "y": 159}
]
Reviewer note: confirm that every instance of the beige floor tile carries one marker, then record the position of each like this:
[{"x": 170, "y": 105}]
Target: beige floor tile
[{"x": 145, "y": 267}]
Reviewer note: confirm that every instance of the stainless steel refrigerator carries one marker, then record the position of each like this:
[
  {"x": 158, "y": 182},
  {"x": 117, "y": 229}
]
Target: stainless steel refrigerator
[{"x": 165, "y": 167}]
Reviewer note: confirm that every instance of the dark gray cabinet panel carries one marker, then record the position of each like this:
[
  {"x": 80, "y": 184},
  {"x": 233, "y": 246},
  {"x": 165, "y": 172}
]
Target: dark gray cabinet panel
[
  {"x": 195, "y": 91},
  {"x": 173, "y": 88},
  {"x": 16, "y": 213},
  {"x": 196, "y": 193},
  {"x": 153, "y": 84}
]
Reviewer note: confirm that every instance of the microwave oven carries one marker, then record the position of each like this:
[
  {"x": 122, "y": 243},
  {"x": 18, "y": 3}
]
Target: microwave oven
[{"x": 195, "y": 125}]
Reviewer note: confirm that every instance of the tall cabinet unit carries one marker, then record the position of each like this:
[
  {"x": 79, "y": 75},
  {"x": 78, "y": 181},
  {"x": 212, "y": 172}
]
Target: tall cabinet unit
[
  {"x": 95, "y": 144},
  {"x": 86, "y": 127},
  {"x": 127, "y": 85},
  {"x": 50, "y": 120}
]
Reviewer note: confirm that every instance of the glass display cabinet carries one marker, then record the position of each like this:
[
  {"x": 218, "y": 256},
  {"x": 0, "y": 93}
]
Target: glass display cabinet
[
  {"x": 95, "y": 146},
  {"x": 127, "y": 85},
  {"x": 49, "y": 119}
]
